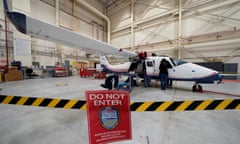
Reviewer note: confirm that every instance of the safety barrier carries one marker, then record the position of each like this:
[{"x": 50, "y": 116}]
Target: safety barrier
[
  {"x": 188, "y": 105},
  {"x": 43, "y": 102}
]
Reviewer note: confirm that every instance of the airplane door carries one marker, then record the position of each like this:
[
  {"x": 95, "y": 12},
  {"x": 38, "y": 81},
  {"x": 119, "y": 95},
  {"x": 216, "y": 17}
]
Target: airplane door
[{"x": 149, "y": 67}]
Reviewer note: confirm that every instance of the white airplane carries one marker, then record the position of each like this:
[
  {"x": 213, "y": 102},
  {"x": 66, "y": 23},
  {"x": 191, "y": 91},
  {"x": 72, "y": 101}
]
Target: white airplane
[{"x": 180, "y": 71}]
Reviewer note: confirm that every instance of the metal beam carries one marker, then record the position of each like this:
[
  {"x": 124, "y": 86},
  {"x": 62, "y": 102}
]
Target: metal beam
[{"x": 179, "y": 28}]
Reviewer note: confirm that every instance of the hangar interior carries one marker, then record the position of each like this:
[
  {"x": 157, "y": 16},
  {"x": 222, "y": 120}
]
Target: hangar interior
[
  {"x": 199, "y": 31},
  {"x": 192, "y": 30}
]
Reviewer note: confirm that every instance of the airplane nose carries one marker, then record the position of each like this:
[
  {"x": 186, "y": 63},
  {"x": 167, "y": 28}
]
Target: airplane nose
[{"x": 219, "y": 78}]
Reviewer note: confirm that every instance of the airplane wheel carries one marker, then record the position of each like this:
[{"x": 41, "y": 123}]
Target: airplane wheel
[{"x": 197, "y": 88}]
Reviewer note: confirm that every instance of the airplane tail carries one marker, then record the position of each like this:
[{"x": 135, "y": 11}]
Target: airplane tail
[
  {"x": 5, "y": 5},
  {"x": 116, "y": 68},
  {"x": 104, "y": 63},
  {"x": 17, "y": 19},
  {"x": 103, "y": 60}
]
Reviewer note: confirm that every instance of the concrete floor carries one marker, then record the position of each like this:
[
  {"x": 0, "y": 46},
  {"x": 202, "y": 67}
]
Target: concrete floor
[{"x": 28, "y": 125}]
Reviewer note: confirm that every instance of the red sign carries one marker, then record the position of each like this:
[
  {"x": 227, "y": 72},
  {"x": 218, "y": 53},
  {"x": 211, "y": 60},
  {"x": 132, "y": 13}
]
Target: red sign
[{"x": 109, "y": 117}]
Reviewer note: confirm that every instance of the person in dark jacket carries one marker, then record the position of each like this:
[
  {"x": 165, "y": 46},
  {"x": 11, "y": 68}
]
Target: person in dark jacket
[
  {"x": 164, "y": 66},
  {"x": 147, "y": 79},
  {"x": 109, "y": 82}
]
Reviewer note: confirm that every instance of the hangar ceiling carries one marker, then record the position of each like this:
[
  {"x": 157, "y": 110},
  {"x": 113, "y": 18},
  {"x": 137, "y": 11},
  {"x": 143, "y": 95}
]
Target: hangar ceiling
[
  {"x": 107, "y": 3},
  {"x": 212, "y": 11},
  {"x": 220, "y": 15}
]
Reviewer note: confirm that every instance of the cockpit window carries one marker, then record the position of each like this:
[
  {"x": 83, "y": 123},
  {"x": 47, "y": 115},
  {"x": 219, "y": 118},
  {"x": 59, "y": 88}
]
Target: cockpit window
[
  {"x": 173, "y": 62},
  {"x": 177, "y": 61},
  {"x": 149, "y": 63}
]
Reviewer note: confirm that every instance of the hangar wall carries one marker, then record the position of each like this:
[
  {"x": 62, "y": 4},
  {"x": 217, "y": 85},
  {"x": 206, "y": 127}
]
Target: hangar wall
[{"x": 72, "y": 17}]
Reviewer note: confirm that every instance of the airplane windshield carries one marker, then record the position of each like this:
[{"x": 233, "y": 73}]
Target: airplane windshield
[{"x": 177, "y": 61}]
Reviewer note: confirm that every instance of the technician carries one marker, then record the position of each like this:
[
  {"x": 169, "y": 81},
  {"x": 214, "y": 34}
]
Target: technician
[{"x": 163, "y": 68}]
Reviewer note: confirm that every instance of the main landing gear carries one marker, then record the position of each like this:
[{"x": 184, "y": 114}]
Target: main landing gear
[{"x": 197, "y": 88}]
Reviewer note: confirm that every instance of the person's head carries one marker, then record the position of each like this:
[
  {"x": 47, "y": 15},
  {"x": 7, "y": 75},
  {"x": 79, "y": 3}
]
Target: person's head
[
  {"x": 154, "y": 54},
  {"x": 145, "y": 54},
  {"x": 163, "y": 60}
]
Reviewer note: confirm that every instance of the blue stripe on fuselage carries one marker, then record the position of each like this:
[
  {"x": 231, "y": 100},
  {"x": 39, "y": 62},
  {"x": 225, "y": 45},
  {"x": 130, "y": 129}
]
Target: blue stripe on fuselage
[
  {"x": 207, "y": 79},
  {"x": 107, "y": 70}
]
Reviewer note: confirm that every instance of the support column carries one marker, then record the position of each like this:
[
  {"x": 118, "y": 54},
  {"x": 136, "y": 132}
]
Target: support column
[
  {"x": 132, "y": 24},
  {"x": 179, "y": 28},
  {"x": 59, "y": 49}
]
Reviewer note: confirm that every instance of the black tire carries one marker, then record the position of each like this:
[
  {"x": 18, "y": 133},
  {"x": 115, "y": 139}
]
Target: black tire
[{"x": 197, "y": 88}]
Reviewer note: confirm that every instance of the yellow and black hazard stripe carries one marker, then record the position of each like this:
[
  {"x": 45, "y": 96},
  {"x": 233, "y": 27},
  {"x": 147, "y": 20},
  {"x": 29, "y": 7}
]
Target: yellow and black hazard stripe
[
  {"x": 43, "y": 102},
  {"x": 189, "y": 105}
]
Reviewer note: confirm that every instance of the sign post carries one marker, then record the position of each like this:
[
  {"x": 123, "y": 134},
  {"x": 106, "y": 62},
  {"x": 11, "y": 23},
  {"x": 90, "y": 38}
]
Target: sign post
[{"x": 109, "y": 117}]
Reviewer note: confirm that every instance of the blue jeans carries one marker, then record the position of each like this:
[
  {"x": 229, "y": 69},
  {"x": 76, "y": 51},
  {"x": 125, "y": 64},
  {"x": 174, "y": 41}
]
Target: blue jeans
[
  {"x": 164, "y": 80},
  {"x": 146, "y": 80}
]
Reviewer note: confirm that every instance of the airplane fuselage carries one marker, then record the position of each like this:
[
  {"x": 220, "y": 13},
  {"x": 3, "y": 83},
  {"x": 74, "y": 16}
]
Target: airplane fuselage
[{"x": 180, "y": 71}]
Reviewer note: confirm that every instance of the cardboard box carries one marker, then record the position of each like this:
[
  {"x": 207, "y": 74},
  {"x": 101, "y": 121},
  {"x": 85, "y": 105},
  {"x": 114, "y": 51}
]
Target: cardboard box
[{"x": 13, "y": 76}]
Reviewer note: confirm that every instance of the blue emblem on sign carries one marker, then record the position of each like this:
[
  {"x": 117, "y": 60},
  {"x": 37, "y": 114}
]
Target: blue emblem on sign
[{"x": 109, "y": 117}]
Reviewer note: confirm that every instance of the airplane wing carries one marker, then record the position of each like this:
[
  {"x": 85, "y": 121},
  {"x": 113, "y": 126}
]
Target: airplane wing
[{"x": 42, "y": 30}]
